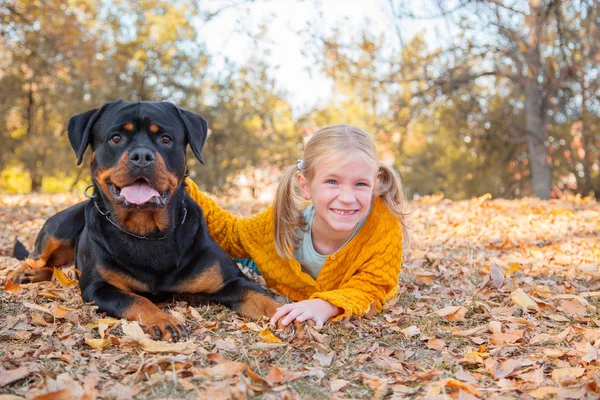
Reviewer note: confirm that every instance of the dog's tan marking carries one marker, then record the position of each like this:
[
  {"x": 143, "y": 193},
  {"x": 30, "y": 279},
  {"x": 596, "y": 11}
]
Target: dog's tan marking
[
  {"x": 154, "y": 128},
  {"x": 122, "y": 281},
  {"x": 255, "y": 305},
  {"x": 209, "y": 281},
  {"x": 128, "y": 127}
]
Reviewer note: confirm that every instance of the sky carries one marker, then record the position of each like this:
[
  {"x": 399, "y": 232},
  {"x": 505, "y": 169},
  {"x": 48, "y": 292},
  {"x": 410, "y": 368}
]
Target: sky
[{"x": 279, "y": 22}]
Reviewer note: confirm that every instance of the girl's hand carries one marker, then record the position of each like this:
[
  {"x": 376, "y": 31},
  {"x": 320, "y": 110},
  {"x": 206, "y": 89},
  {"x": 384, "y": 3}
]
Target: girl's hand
[{"x": 320, "y": 311}]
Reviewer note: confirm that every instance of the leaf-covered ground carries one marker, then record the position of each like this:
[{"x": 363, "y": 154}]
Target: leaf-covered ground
[{"x": 498, "y": 299}]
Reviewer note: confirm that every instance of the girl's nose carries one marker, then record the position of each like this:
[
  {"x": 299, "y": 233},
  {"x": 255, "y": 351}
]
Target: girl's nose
[{"x": 347, "y": 194}]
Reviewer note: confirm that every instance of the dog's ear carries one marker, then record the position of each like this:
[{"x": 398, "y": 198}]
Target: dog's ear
[
  {"x": 196, "y": 130},
  {"x": 79, "y": 129}
]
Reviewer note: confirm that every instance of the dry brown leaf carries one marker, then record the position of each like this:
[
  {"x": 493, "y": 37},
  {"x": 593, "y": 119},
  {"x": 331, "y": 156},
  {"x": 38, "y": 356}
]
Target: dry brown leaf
[
  {"x": 496, "y": 275},
  {"x": 543, "y": 392},
  {"x": 337, "y": 384},
  {"x": 435, "y": 344},
  {"x": 423, "y": 277},
  {"x": 324, "y": 360},
  {"x": 63, "y": 279},
  {"x": 278, "y": 376},
  {"x": 410, "y": 331},
  {"x": 567, "y": 375},
  {"x": 134, "y": 333},
  {"x": 11, "y": 287},
  {"x": 509, "y": 337},
  {"x": 267, "y": 336},
  {"x": 470, "y": 332},
  {"x": 13, "y": 375},
  {"x": 226, "y": 344},
  {"x": 522, "y": 299},
  {"x": 388, "y": 363},
  {"x": 456, "y": 384},
  {"x": 98, "y": 343},
  {"x": 452, "y": 313}
]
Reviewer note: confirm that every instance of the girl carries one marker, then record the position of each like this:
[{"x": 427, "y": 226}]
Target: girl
[{"x": 340, "y": 255}]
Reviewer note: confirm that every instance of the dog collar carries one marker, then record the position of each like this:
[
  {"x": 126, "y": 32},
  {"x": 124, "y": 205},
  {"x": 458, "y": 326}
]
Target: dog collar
[{"x": 107, "y": 214}]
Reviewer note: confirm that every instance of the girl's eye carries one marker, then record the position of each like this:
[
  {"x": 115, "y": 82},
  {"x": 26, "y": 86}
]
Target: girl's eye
[
  {"x": 361, "y": 184},
  {"x": 331, "y": 182},
  {"x": 116, "y": 139},
  {"x": 165, "y": 139}
]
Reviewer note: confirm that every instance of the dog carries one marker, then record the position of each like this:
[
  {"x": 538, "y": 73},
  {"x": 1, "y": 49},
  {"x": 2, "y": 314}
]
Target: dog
[{"x": 140, "y": 236}]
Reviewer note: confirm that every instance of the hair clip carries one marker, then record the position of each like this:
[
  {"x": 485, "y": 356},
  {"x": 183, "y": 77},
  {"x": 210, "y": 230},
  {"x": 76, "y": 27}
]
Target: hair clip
[{"x": 299, "y": 164}]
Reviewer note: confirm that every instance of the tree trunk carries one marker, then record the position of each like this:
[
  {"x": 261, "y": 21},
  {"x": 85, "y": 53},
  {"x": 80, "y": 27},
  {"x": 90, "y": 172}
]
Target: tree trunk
[
  {"x": 535, "y": 125},
  {"x": 36, "y": 182},
  {"x": 535, "y": 110}
]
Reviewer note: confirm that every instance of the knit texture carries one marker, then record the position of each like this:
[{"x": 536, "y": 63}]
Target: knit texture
[{"x": 363, "y": 274}]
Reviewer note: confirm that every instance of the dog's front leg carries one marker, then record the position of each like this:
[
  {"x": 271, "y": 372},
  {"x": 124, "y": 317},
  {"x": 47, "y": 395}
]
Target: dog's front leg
[{"x": 123, "y": 304}]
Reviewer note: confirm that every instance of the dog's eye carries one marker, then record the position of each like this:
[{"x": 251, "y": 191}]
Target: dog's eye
[
  {"x": 165, "y": 139},
  {"x": 116, "y": 139}
]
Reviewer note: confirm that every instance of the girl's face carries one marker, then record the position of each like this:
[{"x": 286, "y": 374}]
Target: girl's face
[{"x": 341, "y": 191}]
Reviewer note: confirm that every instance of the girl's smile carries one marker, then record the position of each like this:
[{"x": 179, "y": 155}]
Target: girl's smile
[{"x": 341, "y": 191}]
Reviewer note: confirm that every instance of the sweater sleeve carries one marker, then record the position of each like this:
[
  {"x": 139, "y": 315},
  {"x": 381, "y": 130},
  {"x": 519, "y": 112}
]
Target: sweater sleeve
[
  {"x": 224, "y": 227},
  {"x": 372, "y": 284}
]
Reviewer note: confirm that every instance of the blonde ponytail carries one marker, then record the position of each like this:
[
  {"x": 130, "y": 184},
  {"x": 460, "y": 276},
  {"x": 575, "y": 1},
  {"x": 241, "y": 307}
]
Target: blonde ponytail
[
  {"x": 287, "y": 215},
  {"x": 389, "y": 187}
]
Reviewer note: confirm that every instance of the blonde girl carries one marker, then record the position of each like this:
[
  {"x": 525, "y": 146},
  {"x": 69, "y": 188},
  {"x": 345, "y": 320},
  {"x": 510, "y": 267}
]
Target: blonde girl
[{"x": 332, "y": 240}]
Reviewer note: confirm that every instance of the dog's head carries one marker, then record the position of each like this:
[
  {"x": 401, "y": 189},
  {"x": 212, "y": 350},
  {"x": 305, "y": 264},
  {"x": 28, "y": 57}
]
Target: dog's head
[{"x": 138, "y": 150}]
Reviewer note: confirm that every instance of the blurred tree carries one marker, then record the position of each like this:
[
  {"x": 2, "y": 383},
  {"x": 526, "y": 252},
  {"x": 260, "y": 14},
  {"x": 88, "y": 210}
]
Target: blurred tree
[
  {"x": 540, "y": 55},
  {"x": 522, "y": 44},
  {"x": 60, "y": 59},
  {"x": 42, "y": 45},
  {"x": 251, "y": 127}
]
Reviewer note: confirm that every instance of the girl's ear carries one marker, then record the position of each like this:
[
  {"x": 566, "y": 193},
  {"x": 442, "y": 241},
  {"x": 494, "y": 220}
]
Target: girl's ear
[{"x": 304, "y": 186}]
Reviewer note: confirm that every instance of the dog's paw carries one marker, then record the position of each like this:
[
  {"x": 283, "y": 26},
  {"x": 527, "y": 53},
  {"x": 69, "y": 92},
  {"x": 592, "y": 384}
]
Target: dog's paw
[
  {"x": 31, "y": 275},
  {"x": 165, "y": 327}
]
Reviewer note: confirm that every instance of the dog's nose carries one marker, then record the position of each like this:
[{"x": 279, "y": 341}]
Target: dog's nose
[{"x": 141, "y": 157}]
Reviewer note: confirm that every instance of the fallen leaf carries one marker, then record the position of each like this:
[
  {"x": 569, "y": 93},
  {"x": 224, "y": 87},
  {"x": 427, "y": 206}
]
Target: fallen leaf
[
  {"x": 277, "y": 376},
  {"x": 267, "y": 336},
  {"x": 324, "y": 360},
  {"x": 543, "y": 392},
  {"x": 134, "y": 333},
  {"x": 11, "y": 287},
  {"x": 338, "y": 384},
  {"x": 98, "y": 343},
  {"x": 473, "y": 331},
  {"x": 13, "y": 375},
  {"x": 452, "y": 313},
  {"x": 63, "y": 279},
  {"x": 522, "y": 299},
  {"x": 496, "y": 275},
  {"x": 435, "y": 344},
  {"x": 567, "y": 375},
  {"x": 410, "y": 331}
]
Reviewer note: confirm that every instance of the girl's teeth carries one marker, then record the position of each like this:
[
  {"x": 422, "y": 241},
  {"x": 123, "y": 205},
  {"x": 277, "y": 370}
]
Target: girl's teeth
[{"x": 342, "y": 212}]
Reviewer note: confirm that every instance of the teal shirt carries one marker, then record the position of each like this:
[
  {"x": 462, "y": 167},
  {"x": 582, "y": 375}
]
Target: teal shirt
[{"x": 311, "y": 261}]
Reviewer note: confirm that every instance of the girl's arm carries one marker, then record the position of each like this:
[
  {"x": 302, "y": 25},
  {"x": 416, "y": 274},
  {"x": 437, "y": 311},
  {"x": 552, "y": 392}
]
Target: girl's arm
[
  {"x": 373, "y": 283},
  {"x": 224, "y": 227}
]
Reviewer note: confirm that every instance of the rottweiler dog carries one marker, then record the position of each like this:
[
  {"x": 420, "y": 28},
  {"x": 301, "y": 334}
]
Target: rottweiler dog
[{"x": 140, "y": 236}]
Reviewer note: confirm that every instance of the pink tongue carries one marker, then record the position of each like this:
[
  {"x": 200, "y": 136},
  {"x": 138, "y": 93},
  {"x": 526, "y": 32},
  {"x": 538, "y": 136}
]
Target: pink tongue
[{"x": 138, "y": 193}]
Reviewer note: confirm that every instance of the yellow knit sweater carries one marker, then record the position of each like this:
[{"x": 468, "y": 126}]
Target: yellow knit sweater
[{"x": 362, "y": 274}]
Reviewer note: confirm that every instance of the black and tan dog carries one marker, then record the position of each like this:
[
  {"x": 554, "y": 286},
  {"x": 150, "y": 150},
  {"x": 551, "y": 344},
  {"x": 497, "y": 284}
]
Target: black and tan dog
[{"x": 141, "y": 235}]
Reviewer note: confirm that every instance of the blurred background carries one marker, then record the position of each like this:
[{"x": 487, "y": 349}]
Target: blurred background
[{"x": 464, "y": 97}]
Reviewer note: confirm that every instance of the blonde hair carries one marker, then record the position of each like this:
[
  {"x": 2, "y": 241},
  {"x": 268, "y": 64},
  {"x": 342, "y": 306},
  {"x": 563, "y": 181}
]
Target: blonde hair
[{"x": 329, "y": 142}]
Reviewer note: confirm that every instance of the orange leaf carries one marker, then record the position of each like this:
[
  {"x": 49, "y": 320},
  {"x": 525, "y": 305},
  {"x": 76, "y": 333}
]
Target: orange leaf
[
  {"x": 63, "y": 279},
  {"x": 267, "y": 336},
  {"x": 98, "y": 343},
  {"x": 452, "y": 313},
  {"x": 454, "y": 383},
  {"x": 11, "y": 287}
]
